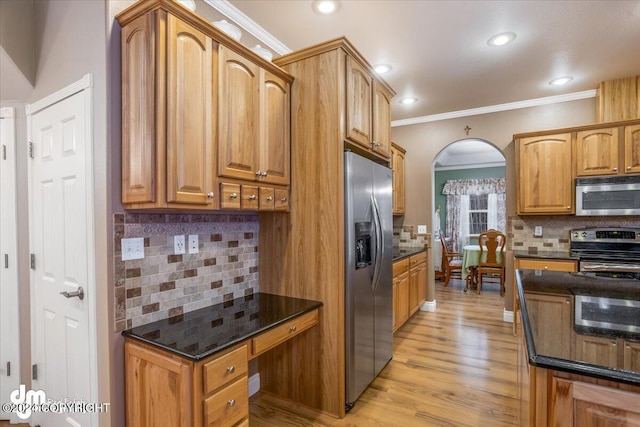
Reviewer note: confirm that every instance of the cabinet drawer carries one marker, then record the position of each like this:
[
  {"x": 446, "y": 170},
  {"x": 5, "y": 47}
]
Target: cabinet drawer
[
  {"x": 228, "y": 406},
  {"x": 224, "y": 369},
  {"x": 249, "y": 195},
  {"x": 545, "y": 264},
  {"x": 418, "y": 258},
  {"x": 267, "y": 196},
  {"x": 400, "y": 267},
  {"x": 280, "y": 334},
  {"x": 229, "y": 196},
  {"x": 282, "y": 200}
]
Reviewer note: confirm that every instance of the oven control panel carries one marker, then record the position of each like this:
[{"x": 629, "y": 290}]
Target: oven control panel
[{"x": 605, "y": 235}]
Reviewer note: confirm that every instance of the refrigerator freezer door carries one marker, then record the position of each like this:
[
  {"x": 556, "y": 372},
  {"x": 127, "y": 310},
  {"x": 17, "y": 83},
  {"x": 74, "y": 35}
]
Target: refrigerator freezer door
[{"x": 359, "y": 315}]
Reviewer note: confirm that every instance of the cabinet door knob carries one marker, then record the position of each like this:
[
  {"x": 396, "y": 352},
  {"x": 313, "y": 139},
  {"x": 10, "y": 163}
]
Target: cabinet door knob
[
  {"x": 269, "y": 199},
  {"x": 252, "y": 197},
  {"x": 259, "y": 173},
  {"x": 283, "y": 200},
  {"x": 264, "y": 174},
  {"x": 615, "y": 169},
  {"x": 628, "y": 168},
  {"x": 292, "y": 329},
  {"x": 231, "y": 369},
  {"x": 234, "y": 195},
  {"x": 210, "y": 195},
  {"x": 231, "y": 402},
  {"x": 568, "y": 207}
]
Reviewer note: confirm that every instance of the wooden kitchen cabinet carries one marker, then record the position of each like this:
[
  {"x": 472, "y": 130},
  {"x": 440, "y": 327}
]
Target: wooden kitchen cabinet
[
  {"x": 552, "y": 314},
  {"x": 167, "y": 130},
  {"x": 417, "y": 281},
  {"x": 632, "y": 149},
  {"x": 359, "y": 111},
  {"x": 381, "y": 142},
  {"x": 544, "y": 175},
  {"x": 597, "y": 152},
  {"x": 197, "y": 106},
  {"x": 631, "y": 355},
  {"x": 401, "y": 293},
  {"x": 397, "y": 164}
]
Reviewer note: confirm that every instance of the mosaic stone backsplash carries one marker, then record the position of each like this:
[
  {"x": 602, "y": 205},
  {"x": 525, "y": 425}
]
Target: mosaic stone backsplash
[
  {"x": 162, "y": 284},
  {"x": 556, "y": 229},
  {"x": 406, "y": 235}
]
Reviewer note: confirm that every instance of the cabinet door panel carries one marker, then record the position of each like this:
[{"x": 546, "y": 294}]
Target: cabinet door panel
[
  {"x": 597, "y": 152},
  {"x": 138, "y": 109},
  {"x": 381, "y": 121},
  {"x": 597, "y": 350},
  {"x": 631, "y": 359},
  {"x": 189, "y": 114},
  {"x": 400, "y": 182},
  {"x": 545, "y": 181},
  {"x": 358, "y": 104},
  {"x": 239, "y": 106},
  {"x": 632, "y": 149},
  {"x": 551, "y": 313},
  {"x": 274, "y": 154}
]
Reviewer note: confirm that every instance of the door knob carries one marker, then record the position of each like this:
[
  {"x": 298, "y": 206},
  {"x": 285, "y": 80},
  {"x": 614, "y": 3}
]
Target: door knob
[
  {"x": 252, "y": 197},
  {"x": 234, "y": 195},
  {"x": 210, "y": 195},
  {"x": 79, "y": 293}
]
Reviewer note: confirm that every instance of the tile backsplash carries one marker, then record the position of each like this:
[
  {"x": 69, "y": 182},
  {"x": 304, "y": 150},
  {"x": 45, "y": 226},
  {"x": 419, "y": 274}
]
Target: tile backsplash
[
  {"x": 406, "y": 235},
  {"x": 163, "y": 284},
  {"x": 555, "y": 230}
]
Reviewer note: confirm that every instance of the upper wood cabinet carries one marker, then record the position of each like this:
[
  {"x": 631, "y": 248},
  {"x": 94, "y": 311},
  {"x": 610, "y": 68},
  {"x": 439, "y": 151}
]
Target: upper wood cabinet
[
  {"x": 381, "y": 143},
  {"x": 165, "y": 145},
  {"x": 399, "y": 179},
  {"x": 188, "y": 88},
  {"x": 632, "y": 149},
  {"x": 597, "y": 152},
  {"x": 544, "y": 175},
  {"x": 359, "y": 89}
]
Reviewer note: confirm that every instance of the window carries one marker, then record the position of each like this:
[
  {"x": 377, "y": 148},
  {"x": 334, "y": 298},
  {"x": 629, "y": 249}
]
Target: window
[{"x": 478, "y": 213}]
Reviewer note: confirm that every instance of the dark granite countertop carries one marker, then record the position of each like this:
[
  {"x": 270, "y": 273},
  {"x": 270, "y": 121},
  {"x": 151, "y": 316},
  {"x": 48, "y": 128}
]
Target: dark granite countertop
[
  {"x": 201, "y": 333},
  {"x": 562, "y": 255},
  {"x": 406, "y": 251},
  {"x": 556, "y": 356}
]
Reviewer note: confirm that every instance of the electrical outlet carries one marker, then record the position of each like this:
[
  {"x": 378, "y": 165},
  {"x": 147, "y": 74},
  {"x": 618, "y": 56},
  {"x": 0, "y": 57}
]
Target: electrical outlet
[
  {"x": 193, "y": 243},
  {"x": 132, "y": 248},
  {"x": 537, "y": 231},
  {"x": 178, "y": 244},
  {"x": 422, "y": 229}
]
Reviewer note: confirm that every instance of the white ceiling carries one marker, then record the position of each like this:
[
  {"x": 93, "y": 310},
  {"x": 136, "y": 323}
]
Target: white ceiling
[{"x": 439, "y": 51}]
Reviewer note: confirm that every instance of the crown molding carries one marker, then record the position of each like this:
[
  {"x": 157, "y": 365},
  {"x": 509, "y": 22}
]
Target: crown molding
[
  {"x": 470, "y": 166},
  {"x": 249, "y": 25},
  {"x": 497, "y": 108}
]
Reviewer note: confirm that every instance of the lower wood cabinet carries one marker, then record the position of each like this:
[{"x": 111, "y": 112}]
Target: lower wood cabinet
[
  {"x": 165, "y": 389},
  {"x": 552, "y": 315},
  {"x": 597, "y": 350},
  {"x": 409, "y": 287}
]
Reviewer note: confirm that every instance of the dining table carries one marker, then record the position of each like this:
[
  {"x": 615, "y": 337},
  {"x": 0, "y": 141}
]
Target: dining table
[{"x": 471, "y": 260}]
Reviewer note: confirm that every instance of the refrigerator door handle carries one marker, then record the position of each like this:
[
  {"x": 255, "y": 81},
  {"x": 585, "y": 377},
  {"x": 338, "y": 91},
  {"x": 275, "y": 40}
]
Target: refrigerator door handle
[{"x": 379, "y": 242}]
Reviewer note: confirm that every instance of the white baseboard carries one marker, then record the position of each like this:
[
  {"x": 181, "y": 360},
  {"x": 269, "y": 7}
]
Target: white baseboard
[
  {"x": 254, "y": 384},
  {"x": 507, "y": 316},
  {"x": 428, "y": 306}
]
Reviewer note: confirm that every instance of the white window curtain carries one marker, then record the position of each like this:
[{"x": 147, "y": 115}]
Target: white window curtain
[
  {"x": 463, "y": 228},
  {"x": 492, "y": 211}
]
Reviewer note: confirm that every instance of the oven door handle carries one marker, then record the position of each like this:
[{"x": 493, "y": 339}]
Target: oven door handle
[{"x": 609, "y": 267}]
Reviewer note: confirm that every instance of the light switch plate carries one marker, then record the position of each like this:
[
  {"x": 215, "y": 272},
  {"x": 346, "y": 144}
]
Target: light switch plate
[
  {"x": 193, "y": 243},
  {"x": 178, "y": 244},
  {"x": 422, "y": 229},
  {"x": 132, "y": 248},
  {"x": 537, "y": 231}
]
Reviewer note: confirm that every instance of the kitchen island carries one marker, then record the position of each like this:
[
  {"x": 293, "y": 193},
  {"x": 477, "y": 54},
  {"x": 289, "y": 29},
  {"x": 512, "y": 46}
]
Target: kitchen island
[
  {"x": 192, "y": 369},
  {"x": 578, "y": 371}
]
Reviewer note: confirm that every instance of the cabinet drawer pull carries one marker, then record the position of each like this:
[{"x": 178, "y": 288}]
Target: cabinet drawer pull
[
  {"x": 231, "y": 402},
  {"x": 234, "y": 195},
  {"x": 252, "y": 197},
  {"x": 269, "y": 199},
  {"x": 283, "y": 200},
  {"x": 210, "y": 195},
  {"x": 231, "y": 369},
  {"x": 292, "y": 329}
]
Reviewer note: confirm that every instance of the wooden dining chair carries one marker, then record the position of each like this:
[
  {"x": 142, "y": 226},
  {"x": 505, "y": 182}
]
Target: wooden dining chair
[
  {"x": 492, "y": 242},
  {"x": 451, "y": 263}
]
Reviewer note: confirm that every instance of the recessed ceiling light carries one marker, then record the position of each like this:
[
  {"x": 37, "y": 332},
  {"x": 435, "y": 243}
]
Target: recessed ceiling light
[
  {"x": 561, "y": 81},
  {"x": 382, "y": 68},
  {"x": 325, "y": 7},
  {"x": 501, "y": 39},
  {"x": 408, "y": 100}
]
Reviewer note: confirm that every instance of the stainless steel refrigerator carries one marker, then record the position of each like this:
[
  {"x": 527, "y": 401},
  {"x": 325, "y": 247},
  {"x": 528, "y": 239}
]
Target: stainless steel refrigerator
[{"x": 368, "y": 272}]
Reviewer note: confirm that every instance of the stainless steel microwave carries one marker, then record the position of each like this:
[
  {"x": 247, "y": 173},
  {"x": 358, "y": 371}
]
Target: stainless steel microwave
[{"x": 616, "y": 195}]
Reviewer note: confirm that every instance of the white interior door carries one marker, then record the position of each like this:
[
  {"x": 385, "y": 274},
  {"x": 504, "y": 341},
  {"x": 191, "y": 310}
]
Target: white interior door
[
  {"x": 9, "y": 319},
  {"x": 61, "y": 231}
]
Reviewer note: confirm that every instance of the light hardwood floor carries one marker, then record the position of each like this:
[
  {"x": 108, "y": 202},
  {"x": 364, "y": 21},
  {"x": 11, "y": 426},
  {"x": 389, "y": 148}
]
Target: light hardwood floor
[{"x": 455, "y": 367}]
